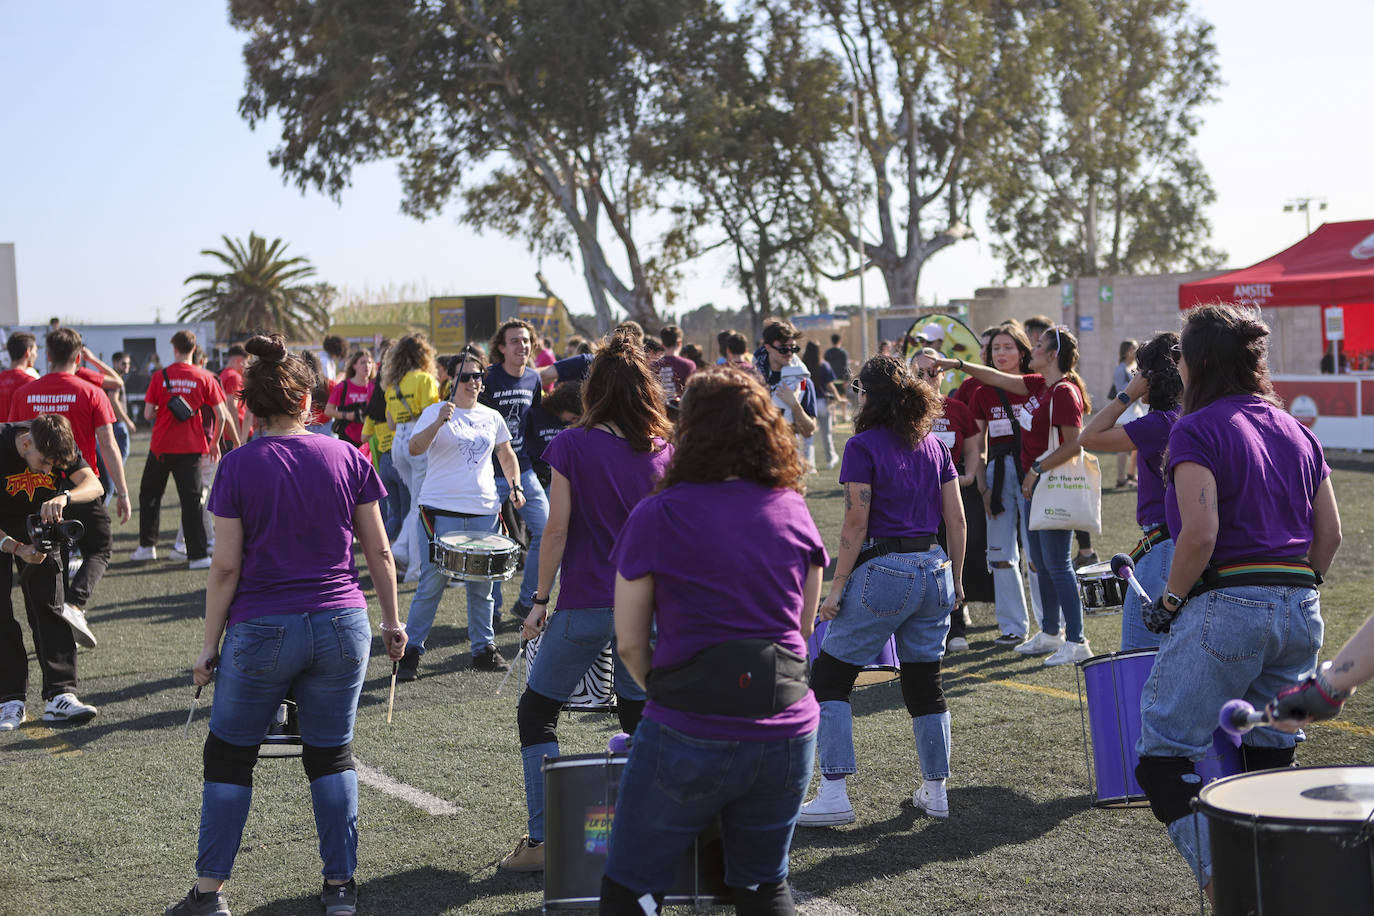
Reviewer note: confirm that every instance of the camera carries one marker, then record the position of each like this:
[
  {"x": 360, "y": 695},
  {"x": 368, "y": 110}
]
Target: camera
[{"x": 48, "y": 536}]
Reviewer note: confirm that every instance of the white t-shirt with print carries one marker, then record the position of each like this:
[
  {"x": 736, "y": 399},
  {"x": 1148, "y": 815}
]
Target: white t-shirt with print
[{"x": 460, "y": 476}]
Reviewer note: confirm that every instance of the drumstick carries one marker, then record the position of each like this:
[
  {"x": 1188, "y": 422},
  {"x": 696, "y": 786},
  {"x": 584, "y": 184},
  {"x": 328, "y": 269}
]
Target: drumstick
[
  {"x": 194, "y": 700},
  {"x": 511, "y": 669},
  {"x": 391, "y": 701}
]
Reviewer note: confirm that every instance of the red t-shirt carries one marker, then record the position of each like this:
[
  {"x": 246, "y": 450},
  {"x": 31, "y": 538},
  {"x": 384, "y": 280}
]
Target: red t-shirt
[
  {"x": 965, "y": 392},
  {"x": 987, "y": 407},
  {"x": 11, "y": 380},
  {"x": 231, "y": 380},
  {"x": 198, "y": 387},
  {"x": 1062, "y": 398},
  {"x": 953, "y": 427},
  {"x": 84, "y": 405}
]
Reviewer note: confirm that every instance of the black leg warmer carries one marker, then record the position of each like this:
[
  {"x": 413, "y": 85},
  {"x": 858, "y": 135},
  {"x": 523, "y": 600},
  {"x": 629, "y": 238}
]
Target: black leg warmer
[
  {"x": 1266, "y": 758},
  {"x": 1170, "y": 783},
  {"x": 537, "y": 717},
  {"x": 922, "y": 690},
  {"x": 619, "y": 900},
  {"x": 324, "y": 761},
  {"x": 764, "y": 900},
  {"x": 832, "y": 679},
  {"x": 229, "y": 763}
]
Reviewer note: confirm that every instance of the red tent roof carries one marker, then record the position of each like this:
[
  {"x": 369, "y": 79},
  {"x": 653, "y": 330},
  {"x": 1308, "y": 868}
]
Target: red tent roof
[{"x": 1333, "y": 265}]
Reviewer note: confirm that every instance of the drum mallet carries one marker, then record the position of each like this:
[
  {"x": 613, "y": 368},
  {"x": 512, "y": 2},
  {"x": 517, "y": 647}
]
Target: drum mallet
[
  {"x": 391, "y": 700},
  {"x": 1123, "y": 567},
  {"x": 1238, "y": 717}
]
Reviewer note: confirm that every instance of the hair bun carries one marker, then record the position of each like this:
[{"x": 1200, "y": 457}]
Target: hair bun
[
  {"x": 272, "y": 349},
  {"x": 620, "y": 343}
]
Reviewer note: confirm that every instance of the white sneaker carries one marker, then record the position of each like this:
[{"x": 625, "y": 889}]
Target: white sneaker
[
  {"x": 65, "y": 707},
  {"x": 202, "y": 563},
  {"x": 142, "y": 553},
  {"x": 11, "y": 715},
  {"x": 931, "y": 798},
  {"x": 830, "y": 807},
  {"x": 80, "y": 629},
  {"x": 1070, "y": 653},
  {"x": 957, "y": 644},
  {"x": 179, "y": 553},
  {"x": 1041, "y": 643}
]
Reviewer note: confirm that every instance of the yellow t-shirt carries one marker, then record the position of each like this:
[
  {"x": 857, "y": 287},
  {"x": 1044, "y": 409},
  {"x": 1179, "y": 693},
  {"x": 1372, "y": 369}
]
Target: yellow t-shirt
[
  {"x": 420, "y": 390},
  {"x": 383, "y": 433}
]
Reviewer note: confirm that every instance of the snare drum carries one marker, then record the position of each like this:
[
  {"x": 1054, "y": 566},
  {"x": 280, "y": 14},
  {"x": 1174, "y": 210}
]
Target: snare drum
[
  {"x": 475, "y": 558},
  {"x": 1292, "y": 841},
  {"x": 1100, "y": 588},
  {"x": 1114, "y": 683},
  {"x": 884, "y": 667},
  {"x": 595, "y": 692},
  {"x": 579, "y": 805}
]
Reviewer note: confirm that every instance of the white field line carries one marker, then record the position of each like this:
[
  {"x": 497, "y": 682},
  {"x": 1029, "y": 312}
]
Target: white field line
[
  {"x": 383, "y": 783},
  {"x": 814, "y": 905}
]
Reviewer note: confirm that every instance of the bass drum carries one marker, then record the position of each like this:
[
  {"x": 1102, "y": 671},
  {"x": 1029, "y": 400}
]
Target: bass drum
[
  {"x": 595, "y": 692},
  {"x": 1292, "y": 841}
]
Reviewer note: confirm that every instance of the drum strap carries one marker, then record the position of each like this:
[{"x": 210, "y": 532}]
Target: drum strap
[
  {"x": 1291, "y": 572},
  {"x": 428, "y": 514},
  {"x": 881, "y": 547},
  {"x": 748, "y": 678},
  {"x": 1153, "y": 535}
]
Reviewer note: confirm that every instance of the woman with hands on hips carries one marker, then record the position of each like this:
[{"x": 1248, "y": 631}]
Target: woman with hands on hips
[
  {"x": 891, "y": 576},
  {"x": 293, "y": 618}
]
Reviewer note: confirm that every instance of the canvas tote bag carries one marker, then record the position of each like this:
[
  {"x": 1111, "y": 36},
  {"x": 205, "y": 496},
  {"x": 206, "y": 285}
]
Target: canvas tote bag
[{"x": 1068, "y": 497}]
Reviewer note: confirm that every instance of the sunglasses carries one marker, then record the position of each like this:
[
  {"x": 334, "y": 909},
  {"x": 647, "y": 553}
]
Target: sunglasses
[
  {"x": 786, "y": 348},
  {"x": 927, "y": 373},
  {"x": 469, "y": 376},
  {"x": 858, "y": 389}
]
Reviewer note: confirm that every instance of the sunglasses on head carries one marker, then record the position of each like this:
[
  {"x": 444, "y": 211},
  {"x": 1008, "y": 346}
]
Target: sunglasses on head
[{"x": 858, "y": 389}]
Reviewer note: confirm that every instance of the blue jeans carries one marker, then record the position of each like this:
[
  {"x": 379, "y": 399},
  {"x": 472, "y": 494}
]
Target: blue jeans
[
  {"x": 535, "y": 513},
  {"x": 1152, "y": 572},
  {"x": 1051, "y": 554},
  {"x": 1246, "y": 641},
  {"x": 573, "y": 640},
  {"x": 121, "y": 434},
  {"x": 674, "y": 786},
  {"x": 397, "y": 500},
  {"x": 424, "y": 604},
  {"x": 911, "y": 595},
  {"x": 1008, "y": 588},
  {"x": 321, "y": 658}
]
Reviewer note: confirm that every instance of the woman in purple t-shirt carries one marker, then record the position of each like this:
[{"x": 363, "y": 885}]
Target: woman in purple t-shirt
[
  {"x": 1055, "y": 394},
  {"x": 601, "y": 468},
  {"x": 1254, "y": 518},
  {"x": 1159, "y": 386},
  {"x": 891, "y": 576},
  {"x": 728, "y": 601},
  {"x": 296, "y": 620}
]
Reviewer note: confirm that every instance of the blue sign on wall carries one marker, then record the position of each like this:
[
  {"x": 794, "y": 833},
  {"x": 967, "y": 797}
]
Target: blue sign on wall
[{"x": 1085, "y": 322}]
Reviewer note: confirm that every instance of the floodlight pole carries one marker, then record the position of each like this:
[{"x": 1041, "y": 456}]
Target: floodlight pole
[{"x": 859, "y": 222}]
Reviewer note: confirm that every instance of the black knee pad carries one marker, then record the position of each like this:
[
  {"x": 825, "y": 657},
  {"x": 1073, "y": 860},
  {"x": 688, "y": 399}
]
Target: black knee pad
[
  {"x": 629, "y": 712},
  {"x": 323, "y": 761},
  {"x": 764, "y": 900},
  {"x": 1266, "y": 758},
  {"x": 229, "y": 763},
  {"x": 537, "y": 716},
  {"x": 1171, "y": 784},
  {"x": 832, "y": 679},
  {"x": 922, "y": 690},
  {"x": 619, "y": 900}
]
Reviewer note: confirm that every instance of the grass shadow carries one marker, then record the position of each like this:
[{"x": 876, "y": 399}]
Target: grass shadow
[{"x": 426, "y": 891}]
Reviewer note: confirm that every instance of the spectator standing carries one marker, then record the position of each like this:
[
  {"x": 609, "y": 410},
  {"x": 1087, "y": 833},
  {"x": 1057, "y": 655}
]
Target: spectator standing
[
  {"x": 676, "y": 366},
  {"x": 23, "y": 350}
]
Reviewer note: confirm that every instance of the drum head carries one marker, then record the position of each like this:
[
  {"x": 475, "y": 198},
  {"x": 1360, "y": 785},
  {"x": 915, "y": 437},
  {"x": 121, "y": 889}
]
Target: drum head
[
  {"x": 1334, "y": 796},
  {"x": 482, "y": 543},
  {"x": 1096, "y": 571}
]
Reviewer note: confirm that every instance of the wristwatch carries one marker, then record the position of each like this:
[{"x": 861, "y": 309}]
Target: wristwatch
[
  {"x": 1124, "y": 398},
  {"x": 1174, "y": 600},
  {"x": 1035, "y": 466}
]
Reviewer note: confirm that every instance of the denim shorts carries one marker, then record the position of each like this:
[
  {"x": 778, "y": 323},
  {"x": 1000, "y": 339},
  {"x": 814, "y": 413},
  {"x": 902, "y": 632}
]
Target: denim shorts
[
  {"x": 674, "y": 786},
  {"x": 909, "y": 594},
  {"x": 320, "y": 657},
  {"x": 1245, "y": 642},
  {"x": 573, "y": 640}
]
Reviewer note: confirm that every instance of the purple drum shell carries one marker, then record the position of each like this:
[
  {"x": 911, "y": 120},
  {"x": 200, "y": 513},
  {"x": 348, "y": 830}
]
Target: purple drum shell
[
  {"x": 1113, "y": 685},
  {"x": 884, "y": 667}
]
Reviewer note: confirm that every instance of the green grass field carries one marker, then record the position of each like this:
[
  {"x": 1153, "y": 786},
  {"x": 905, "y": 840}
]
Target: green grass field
[{"x": 102, "y": 818}]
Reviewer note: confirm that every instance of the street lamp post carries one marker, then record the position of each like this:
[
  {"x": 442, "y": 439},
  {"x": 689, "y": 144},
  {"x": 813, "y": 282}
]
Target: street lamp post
[{"x": 1304, "y": 206}]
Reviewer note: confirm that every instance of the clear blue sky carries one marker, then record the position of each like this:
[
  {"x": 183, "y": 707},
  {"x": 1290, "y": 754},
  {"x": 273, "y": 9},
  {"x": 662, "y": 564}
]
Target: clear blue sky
[{"x": 122, "y": 156}]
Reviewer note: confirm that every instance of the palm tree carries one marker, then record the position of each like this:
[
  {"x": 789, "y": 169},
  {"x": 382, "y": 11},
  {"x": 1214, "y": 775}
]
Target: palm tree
[{"x": 261, "y": 292}]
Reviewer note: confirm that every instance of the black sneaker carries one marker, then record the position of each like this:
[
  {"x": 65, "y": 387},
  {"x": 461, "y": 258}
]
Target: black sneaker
[
  {"x": 409, "y": 667},
  {"x": 489, "y": 660},
  {"x": 194, "y": 904},
  {"x": 340, "y": 899},
  {"x": 1084, "y": 559},
  {"x": 1009, "y": 639}
]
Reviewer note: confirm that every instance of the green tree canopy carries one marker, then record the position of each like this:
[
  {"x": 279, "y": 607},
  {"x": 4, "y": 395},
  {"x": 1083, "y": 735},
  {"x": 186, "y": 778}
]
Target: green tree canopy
[{"x": 260, "y": 291}]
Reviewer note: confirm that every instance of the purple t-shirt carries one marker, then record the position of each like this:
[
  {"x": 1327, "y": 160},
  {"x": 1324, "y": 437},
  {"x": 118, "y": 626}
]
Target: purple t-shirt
[
  {"x": 295, "y": 496},
  {"x": 1150, "y": 436},
  {"x": 906, "y": 482},
  {"x": 1267, "y": 466},
  {"x": 607, "y": 479},
  {"x": 718, "y": 580}
]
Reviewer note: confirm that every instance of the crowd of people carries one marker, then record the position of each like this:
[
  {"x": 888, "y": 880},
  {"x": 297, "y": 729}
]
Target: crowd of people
[{"x": 611, "y": 467}]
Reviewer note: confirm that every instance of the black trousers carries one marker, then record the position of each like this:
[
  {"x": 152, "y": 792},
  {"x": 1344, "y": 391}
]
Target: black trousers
[
  {"x": 185, "y": 470},
  {"x": 52, "y": 637},
  {"x": 96, "y": 545}
]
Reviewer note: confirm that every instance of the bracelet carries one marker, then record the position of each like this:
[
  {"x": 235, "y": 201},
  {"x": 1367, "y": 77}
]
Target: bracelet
[
  {"x": 839, "y": 576},
  {"x": 399, "y": 628},
  {"x": 961, "y": 363},
  {"x": 3, "y": 540},
  {"x": 535, "y": 600},
  {"x": 1035, "y": 468},
  {"x": 1339, "y": 696},
  {"x": 1124, "y": 398}
]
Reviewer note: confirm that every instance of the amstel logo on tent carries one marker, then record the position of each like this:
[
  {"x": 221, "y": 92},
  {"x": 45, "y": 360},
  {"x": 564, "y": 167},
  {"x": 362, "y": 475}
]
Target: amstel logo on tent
[
  {"x": 27, "y": 482},
  {"x": 1365, "y": 250}
]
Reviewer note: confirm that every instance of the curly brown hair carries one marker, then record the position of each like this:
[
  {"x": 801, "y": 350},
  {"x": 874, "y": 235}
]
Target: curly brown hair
[
  {"x": 894, "y": 399},
  {"x": 409, "y": 353},
  {"x": 620, "y": 390},
  {"x": 729, "y": 427}
]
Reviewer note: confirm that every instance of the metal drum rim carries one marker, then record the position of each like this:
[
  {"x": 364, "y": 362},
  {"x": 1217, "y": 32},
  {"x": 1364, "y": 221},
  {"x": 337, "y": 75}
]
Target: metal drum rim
[
  {"x": 1345, "y": 826},
  {"x": 1105, "y": 657}
]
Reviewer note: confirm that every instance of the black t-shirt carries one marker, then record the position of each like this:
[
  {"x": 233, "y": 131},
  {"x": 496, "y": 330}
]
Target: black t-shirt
[
  {"x": 512, "y": 398},
  {"x": 838, "y": 359},
  {"x": 540, "y": 429},
  {"x": 25, "y": 490}
]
